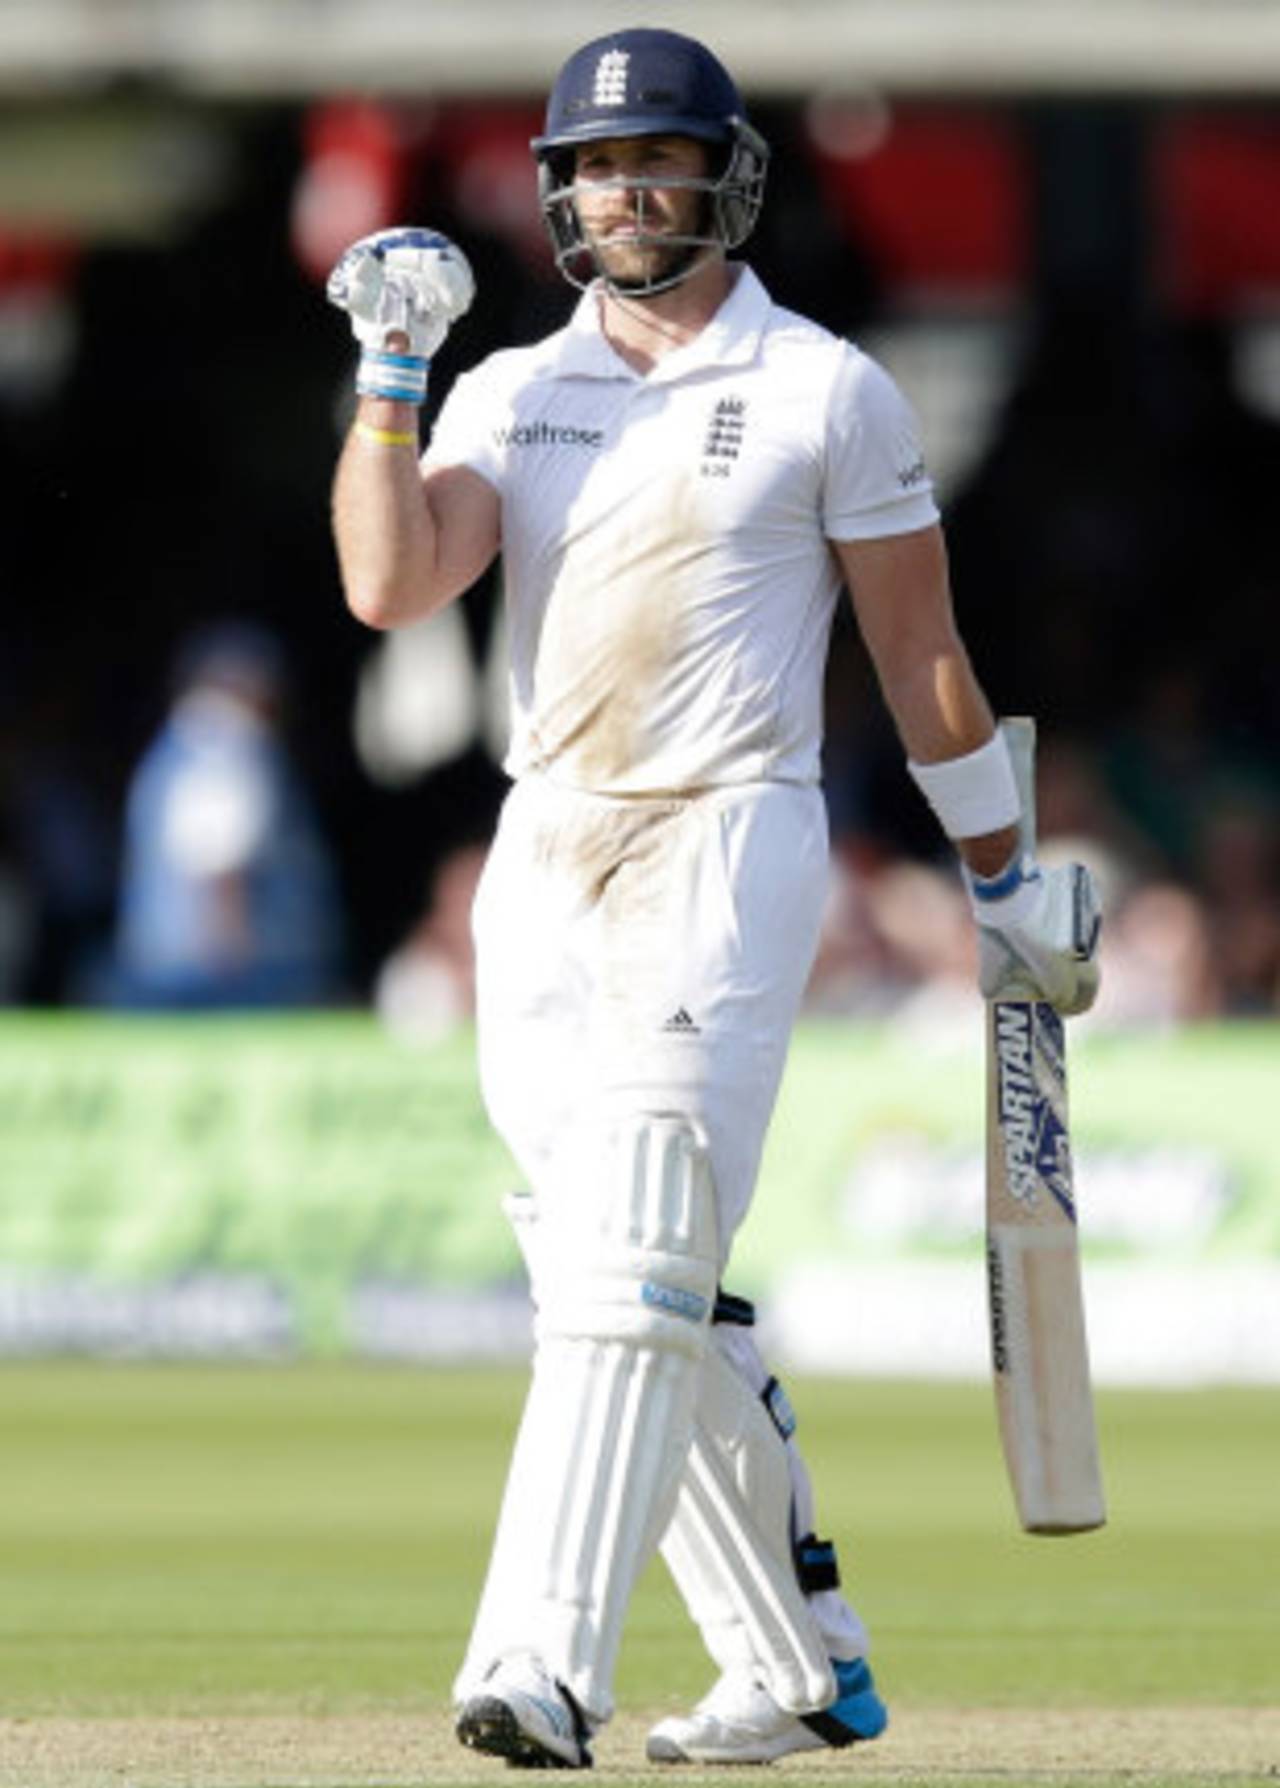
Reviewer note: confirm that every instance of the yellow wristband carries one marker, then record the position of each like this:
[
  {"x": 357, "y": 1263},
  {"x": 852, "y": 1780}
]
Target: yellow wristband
[{"x": 387, "y": 437}]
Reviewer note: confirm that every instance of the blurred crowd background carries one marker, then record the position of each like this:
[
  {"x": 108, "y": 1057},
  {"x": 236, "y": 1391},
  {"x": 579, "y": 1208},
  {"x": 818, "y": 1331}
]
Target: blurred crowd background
[{"x": 218, "y": 789}]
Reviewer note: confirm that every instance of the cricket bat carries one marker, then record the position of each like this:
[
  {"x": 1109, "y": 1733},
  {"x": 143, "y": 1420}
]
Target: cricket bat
[{"x": 1039, "y": 1350}]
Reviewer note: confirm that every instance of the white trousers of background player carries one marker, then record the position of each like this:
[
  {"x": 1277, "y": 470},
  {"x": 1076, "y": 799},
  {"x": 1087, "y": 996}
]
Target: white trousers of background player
[{"x": 638, "y": 960}]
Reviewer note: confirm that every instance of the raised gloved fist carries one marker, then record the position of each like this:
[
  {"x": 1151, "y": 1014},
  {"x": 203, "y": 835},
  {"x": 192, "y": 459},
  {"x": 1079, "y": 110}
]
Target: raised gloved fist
[
  {"x": 407, "y": 279},
  {"x": 1038, "y": 934}
]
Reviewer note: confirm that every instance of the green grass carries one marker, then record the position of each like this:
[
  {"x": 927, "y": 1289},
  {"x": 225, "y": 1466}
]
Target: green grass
[{"x": 188, "y": 1540}]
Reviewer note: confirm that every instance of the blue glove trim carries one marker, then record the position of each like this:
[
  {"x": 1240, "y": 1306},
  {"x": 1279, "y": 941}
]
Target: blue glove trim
[
  {"x": 410, "y": 237},
  {"x": 413, "y": 362},
  {"x": 997, "y": 887},
  {"x": 395, "y": 394}
]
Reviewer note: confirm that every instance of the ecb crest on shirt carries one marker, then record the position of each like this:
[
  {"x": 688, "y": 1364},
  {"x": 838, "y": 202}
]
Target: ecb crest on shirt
[{"x": 724, "y": 436}]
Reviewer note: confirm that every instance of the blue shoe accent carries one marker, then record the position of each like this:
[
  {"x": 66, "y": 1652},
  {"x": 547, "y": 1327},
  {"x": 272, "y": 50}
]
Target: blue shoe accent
[{"x": 857, "y": 1713}]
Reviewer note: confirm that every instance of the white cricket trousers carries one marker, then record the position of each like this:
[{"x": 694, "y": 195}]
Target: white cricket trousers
[
  {"x": 640, "y": 964},
  {"x": 641, "y": 955}
]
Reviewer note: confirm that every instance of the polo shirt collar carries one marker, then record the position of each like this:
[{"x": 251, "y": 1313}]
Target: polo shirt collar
[{"x": 731, "y": 338}]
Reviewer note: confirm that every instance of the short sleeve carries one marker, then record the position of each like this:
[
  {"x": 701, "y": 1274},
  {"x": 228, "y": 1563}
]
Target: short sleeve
[
  {"x": 466, "y": 431},
  {"x": 877, "y": 482}
]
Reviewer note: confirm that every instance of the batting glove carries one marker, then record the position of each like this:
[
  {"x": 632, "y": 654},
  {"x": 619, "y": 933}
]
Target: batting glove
[
  {"x": 1038, "y": 934},
  {"x": 411, "y": 280}
]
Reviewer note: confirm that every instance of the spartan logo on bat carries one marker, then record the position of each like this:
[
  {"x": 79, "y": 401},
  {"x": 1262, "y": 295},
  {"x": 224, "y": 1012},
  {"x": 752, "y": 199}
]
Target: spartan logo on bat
[{"x": 1033, "y": 1133}]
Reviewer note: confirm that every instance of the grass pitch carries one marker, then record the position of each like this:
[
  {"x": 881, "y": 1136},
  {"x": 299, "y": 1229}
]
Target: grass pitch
[{"x": 256, "y": 1578}]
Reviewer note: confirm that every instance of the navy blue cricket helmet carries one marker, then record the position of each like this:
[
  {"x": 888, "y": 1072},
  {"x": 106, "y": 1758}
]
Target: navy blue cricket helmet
[{"x": 646, "y": 82}]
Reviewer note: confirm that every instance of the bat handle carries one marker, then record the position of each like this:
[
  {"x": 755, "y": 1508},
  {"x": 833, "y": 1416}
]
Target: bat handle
[{"x": 1020, "y": 736}]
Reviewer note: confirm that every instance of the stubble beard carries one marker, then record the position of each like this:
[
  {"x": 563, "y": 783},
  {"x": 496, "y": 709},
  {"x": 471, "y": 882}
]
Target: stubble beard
[
  {"x": 636, "y": 266},
  {"x": 630, "y": 262}
]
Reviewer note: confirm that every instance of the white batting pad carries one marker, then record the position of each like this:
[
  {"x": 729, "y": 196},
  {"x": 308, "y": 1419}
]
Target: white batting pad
[
  {"x": 625, "y": 1276},
  {"x": 744, "y": 1496}
]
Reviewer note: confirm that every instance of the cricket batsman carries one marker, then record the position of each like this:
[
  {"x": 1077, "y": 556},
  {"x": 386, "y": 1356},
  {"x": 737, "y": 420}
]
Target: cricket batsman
[{"x": 680, "y": 482}]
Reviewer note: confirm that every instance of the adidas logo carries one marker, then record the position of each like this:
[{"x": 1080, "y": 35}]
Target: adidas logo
[{"x": 680, "y": 1024}]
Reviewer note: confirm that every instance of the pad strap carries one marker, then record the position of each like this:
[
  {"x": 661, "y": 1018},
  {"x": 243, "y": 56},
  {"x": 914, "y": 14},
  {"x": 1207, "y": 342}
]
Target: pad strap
[
  {"x": 740, "y": 1312},
  {"x": 778, "y": 1404},
  {"x": 829, "y": 1728},
  {"x": 816, "y": 1565}
]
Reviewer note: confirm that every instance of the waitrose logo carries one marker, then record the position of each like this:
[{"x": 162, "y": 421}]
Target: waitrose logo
[{"x": 547, "y": 434}]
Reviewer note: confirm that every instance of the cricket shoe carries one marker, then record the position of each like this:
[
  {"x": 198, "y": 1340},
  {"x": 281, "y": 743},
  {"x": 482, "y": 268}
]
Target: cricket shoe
[
  {"x": 740, "y": 1722},
  {"x": 524, "y": 1715}
]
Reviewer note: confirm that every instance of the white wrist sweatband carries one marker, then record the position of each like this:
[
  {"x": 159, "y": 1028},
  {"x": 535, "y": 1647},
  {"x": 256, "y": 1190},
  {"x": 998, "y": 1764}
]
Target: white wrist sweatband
[
  {"x": 401, "y": 377},
  {"x": 973, "y": 794}
]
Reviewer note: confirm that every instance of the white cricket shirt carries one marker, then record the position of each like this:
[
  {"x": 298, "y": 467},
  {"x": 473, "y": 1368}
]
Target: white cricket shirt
[{"x": 668, "y": 578}]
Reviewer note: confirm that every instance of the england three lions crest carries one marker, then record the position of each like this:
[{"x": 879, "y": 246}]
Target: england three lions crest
[{"x": 726, "y": 428}]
